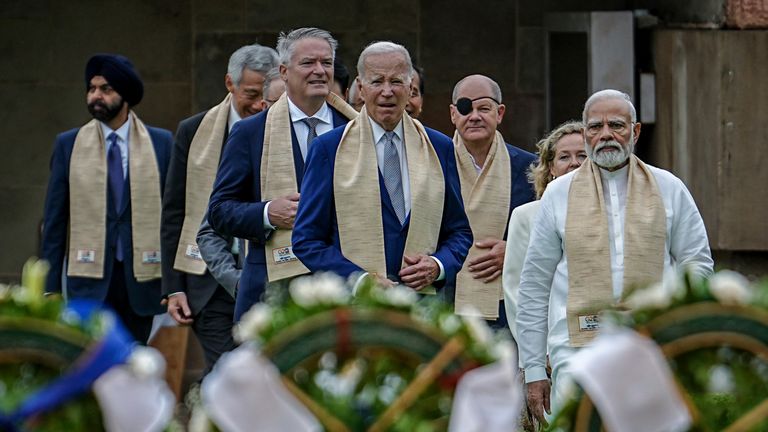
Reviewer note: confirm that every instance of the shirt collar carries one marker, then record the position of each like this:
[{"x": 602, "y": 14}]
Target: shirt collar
[
  {"x": 622, "y": 172},
  {"x": 379, "y": 131},
  {"x": 122, "y": 131},
  {"x": 323, "y": 114},
  {"x": 234, "y": 117}
]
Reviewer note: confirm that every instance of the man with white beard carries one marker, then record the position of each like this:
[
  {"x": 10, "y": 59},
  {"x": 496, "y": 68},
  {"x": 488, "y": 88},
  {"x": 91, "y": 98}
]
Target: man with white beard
[{"x": 614, "y": 223}]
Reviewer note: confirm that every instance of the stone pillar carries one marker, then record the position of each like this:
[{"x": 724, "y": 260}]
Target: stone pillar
[{"x": 743, "y": 14}]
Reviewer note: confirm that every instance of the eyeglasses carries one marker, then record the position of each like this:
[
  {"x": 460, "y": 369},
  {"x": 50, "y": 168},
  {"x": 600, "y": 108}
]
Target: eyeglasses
[{"x": 616, "y": 126}]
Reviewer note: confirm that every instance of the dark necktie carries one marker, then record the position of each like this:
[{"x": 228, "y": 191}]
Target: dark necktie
[
  {"x": 393, "y": 178},
  {"x": 116, "y": 182},
  {"x": 311, "y": 123}
]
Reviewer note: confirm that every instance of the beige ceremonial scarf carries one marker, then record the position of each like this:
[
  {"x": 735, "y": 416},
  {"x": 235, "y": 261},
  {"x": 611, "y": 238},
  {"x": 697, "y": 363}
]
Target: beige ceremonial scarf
[
  {"x": 202, "y": 165},
  {"x": 590, "y": 287},
  {"x": 486, "y": 200},
  {"x": 88, "y": 202},
  {"x": 358, "y": 197},
  {"x": 278, "y": 178}
]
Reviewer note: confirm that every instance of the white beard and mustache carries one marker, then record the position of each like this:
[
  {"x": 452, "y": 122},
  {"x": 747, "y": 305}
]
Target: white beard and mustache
[{"x": 613, "y": 159}]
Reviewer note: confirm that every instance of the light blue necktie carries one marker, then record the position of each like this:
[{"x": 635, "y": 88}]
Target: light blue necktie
[{"x": 393, "y": 177}]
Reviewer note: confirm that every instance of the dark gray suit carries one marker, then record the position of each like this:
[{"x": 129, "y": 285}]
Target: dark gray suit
[{"x": 211, "y": 304}]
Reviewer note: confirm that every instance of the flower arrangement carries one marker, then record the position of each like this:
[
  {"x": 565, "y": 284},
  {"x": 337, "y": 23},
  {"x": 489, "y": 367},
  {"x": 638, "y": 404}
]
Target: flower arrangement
[
  {"x": 53, "y": 352},
  {"x": 714, "y": 334},
  {"x": 376, "y": 359}
]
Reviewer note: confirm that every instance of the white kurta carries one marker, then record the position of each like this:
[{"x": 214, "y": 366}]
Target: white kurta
[{"x": 543, "y": 291}]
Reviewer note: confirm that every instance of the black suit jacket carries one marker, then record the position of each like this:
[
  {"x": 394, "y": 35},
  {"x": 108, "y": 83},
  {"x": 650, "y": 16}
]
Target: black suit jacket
[{"x": 198, "y": 288}]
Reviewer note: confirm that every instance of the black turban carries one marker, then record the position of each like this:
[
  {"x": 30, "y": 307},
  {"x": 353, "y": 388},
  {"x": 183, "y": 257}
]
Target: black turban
[{"x": 119, "y": 73}]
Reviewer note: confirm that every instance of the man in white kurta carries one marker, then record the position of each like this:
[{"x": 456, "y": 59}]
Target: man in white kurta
[{"x": 610, "y": 133}]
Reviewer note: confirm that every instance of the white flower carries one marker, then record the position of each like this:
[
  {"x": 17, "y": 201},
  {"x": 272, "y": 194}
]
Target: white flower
[
  {"x": 325, "y": 288},
  {"x": 253, "y": 322},
  {"x": 656, "y": 296},
  {"x": 398, "y": 295},
  {"x": 730, "y": 288},
  {"x": 504, "y": 349},
  {"x": 199, "y": 422},
  {"x": 147, "y": 363},
  {"x": 478, "y": 329},
  {"x": 449, "y": 323},
  {"x": 721, "y": 380}
]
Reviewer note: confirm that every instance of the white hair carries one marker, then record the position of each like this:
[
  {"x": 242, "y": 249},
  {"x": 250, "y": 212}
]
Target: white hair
[
  {"x": 253, "y": 57},
  {"x": 609, "y": 94},
  {"x": 383, "y": 47}
]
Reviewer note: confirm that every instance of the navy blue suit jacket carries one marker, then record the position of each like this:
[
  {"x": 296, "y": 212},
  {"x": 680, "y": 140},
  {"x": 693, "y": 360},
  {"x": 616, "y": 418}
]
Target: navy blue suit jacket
[
  {"x": 144, "y": 296},
  {"x": 315, "y": 234},
  {"x": 236, "y": 208}
]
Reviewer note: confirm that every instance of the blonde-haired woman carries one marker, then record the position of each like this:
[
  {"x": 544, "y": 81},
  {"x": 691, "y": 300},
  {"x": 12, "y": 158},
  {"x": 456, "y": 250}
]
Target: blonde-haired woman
[{"x": 560, "y": 152}]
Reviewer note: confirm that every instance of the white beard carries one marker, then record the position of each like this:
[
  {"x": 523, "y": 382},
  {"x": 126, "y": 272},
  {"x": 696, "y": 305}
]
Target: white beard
[{"x": 613, "y": 159}]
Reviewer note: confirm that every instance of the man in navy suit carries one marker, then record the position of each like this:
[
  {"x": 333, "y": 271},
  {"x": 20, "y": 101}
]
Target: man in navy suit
[
  {"x": 331, "y": 232},
  {"x": 106, "y": 152},
  {"x": 476, "y": 111},
  {"x": 237, "y": 207}
]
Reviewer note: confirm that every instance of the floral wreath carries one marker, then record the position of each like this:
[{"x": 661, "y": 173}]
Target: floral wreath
[
  {"x": 714, "y": 334},
  {"x": 376, "y": 359},
  {"x": 52, "y": 354}
]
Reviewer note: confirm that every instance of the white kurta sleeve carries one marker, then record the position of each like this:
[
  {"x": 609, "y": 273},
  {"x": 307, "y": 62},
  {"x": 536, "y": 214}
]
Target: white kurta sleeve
[
  {"x": 544, "y": 253},
  {"x": 518, "y": 236},
  {"x": 688, "y": 243}
]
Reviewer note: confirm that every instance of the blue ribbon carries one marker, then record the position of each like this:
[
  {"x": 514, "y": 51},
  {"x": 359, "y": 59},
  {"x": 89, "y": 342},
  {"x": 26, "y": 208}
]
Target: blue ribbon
[{"x": 112, "y": 349}]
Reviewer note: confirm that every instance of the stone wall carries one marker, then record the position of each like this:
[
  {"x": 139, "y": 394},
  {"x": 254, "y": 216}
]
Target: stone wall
[{"x": 181, "y": 48}]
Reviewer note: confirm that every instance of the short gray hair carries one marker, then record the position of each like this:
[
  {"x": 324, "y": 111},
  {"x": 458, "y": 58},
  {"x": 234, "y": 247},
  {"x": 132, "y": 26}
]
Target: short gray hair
[
  {"x": 495, "y": 89},
  {"x": 270, "y": 76},
  {"x": 254, "y": 57},
  {"x": 609, "y": 94},
  {"x": 383, "y": 47},
  {"x": 287, "y": 41}
]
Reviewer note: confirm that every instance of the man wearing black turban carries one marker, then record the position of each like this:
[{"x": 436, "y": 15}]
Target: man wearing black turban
[{"x": 103, "y": 198}]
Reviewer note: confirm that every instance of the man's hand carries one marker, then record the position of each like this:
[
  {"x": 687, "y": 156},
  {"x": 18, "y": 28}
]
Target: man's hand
[
  {"x": 538, "y": 400},
  {"x": 282, "y": 211},
  {"x": 179, "y": 310},
  {"x": 420, "y": 271},
  {"x": 488, "y": 265}
]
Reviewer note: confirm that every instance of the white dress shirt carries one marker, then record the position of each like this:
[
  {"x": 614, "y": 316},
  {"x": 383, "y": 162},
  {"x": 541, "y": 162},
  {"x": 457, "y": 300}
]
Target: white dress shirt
[
  {"x": 543, "y": 291},
  {"x": 234, "y": 116},
  {"x": 123, "y": 136},
  {"x": 302, "y": 130}
]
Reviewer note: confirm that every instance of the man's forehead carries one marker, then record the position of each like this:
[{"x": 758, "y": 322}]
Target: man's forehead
[
  {"x": 99, "y": 80},
  {"x": 614, "y": 107},
  {"x": 312, "y": 48},
  {"x": 475, "y": 87}
]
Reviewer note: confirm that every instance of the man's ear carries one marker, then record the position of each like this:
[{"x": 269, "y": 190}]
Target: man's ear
[
  {"x": 501, "y": 110},
  {"x": 454, "y": 114},
  {"x": 228, "y": 83},
  {"x": 637, "y": 131}
]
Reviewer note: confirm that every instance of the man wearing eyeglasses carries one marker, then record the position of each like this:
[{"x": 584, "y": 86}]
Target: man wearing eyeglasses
[
  {"x": 493, "y": 183},
  {"x": 614, "y": 223}
]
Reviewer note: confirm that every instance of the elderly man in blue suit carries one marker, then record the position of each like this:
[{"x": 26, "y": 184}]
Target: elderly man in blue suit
[
  {"x": 493, "y": 182},
  {"x": 381, "y": 196},
  {"x": 102, "y": 209},
  {"x": 256, "y": 191}
]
